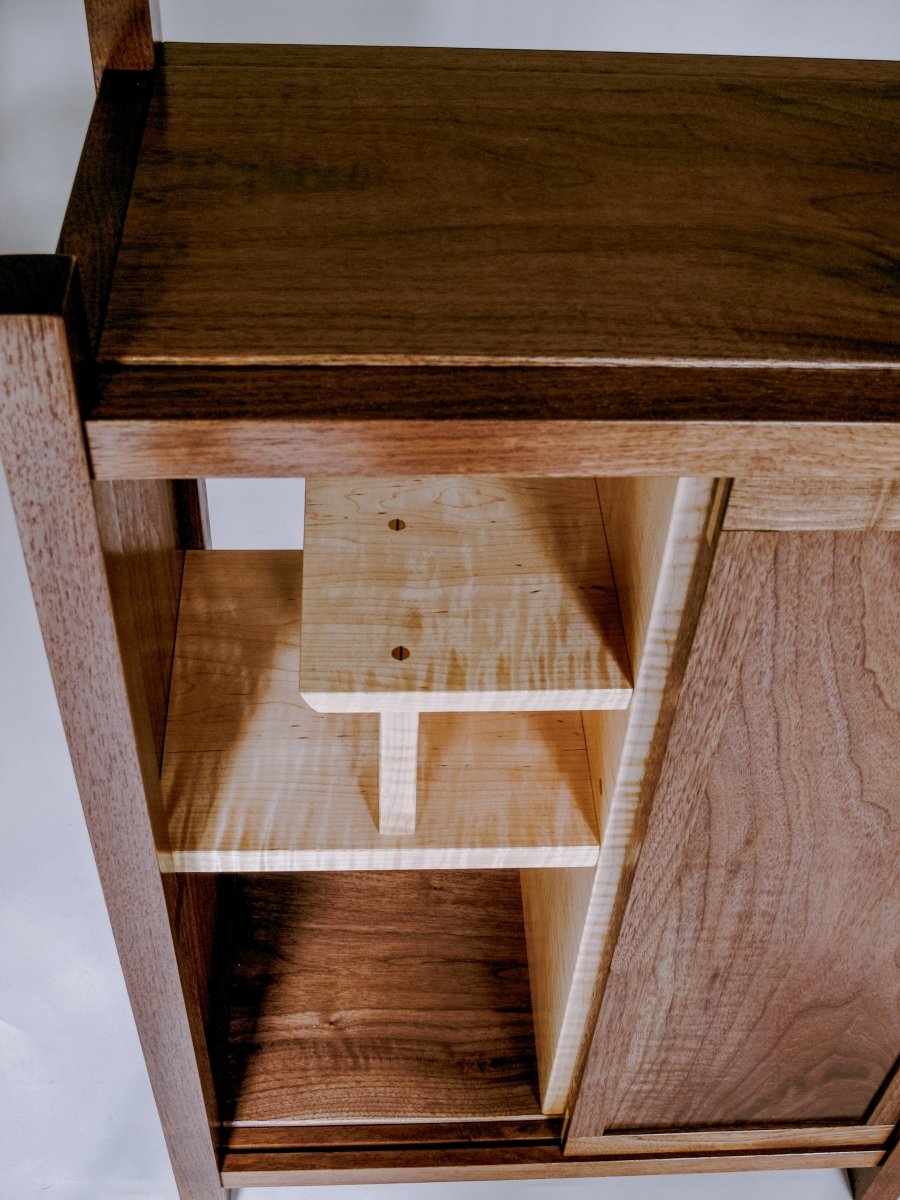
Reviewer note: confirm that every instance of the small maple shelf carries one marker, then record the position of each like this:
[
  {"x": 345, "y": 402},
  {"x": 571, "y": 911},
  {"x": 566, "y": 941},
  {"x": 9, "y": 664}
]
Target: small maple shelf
[{"x": 254, "y": 780}]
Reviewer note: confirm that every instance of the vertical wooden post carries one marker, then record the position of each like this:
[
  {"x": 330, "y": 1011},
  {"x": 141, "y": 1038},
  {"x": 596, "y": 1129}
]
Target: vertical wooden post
[
  {"x": 398, "y": 753},
  {"x": 121, "y": 35},
  {"x": 98, "y": 686}
]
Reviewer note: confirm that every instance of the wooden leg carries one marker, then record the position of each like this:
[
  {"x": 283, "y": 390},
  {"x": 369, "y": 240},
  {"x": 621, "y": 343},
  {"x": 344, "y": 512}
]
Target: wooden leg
[{"x": 397, "y": 759}]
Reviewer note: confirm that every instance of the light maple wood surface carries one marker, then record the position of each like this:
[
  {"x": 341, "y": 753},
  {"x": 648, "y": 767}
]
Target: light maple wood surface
[
  {"x": 255, "y": 780},
  {"x": 657, "y": 531},
  {"x": 458, "y": 594},
  {"x": 374, "y": 996},
  {"x": 398, "y": 757},
  {"x": 754, "y": 980},
  {"x": 100, "y": 690},
  {"x": 799, "y": 502}
]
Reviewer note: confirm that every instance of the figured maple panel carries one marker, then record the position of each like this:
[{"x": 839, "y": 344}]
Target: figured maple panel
[
  {"x": 371, "y": 205},
  {"x": 254, "y": 780},
  {"x": 755, "y": 978},
  {"x": 385, "y": 996},
  {"x": 459, "y": 593}
]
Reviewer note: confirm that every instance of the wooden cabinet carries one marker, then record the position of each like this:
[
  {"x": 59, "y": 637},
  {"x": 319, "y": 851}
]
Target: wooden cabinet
[{"x": 629, "y": 902}]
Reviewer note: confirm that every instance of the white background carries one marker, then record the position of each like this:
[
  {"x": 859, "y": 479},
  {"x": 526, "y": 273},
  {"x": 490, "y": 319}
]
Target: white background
[{"x": 78, "y": 1121}]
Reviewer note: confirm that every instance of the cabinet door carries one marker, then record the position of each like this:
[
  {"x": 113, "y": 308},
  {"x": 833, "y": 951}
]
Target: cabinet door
[{"x": 755, "y": 981}]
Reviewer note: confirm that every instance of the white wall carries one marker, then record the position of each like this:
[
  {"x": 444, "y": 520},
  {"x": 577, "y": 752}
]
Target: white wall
[
  {"x": 78, "y": 1121},
  {"x": 819, "y": 28}
]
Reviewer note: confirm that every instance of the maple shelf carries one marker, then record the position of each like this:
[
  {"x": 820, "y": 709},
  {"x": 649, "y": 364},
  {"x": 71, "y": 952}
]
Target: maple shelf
[{"x": 254, "y": 780}]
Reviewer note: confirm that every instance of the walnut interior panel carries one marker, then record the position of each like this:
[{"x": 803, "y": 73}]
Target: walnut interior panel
[
  {"x": 368, "y": 997},
  {"x": 336, "y": 205}
]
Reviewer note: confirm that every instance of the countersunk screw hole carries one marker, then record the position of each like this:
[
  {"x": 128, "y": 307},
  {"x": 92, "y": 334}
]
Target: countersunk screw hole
[
  {"x": 400, "y": 653},
  {"x": 396, "y": 524}
]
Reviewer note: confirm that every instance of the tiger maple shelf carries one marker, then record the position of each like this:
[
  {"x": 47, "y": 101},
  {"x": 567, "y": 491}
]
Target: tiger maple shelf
[{"x": 254, "y": 780}]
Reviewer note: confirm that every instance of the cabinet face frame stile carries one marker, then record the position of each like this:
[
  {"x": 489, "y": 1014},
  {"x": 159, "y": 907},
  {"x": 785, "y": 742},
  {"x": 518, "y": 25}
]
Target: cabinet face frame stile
[{"x": 105, "y": 460}]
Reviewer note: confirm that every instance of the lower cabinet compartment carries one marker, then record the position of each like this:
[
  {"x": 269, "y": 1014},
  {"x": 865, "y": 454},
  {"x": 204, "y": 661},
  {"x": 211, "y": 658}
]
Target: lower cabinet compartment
[{"x": 376, "y": 997}]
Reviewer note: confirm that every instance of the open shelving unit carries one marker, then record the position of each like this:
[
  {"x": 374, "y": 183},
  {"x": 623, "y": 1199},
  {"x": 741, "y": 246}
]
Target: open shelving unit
[{"x": 368, "y": 817}]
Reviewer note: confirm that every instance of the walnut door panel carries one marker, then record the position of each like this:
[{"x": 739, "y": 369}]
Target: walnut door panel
[{"x": 756, "y": 976}]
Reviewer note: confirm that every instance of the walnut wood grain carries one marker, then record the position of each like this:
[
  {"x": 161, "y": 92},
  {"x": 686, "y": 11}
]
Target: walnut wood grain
[
  {"x": 797, "y": 502},
  {"x": 100, "y": 689},
  {"x": 886, "y": 1106},
  {"x": 386, "y": 206},
  {"x": 701, "y": 1141},
  {"x": 237, "y": 54},
  {"x": 474, "y": 1163},
  {"x": 697, "y": 395},
  {"x": 379, "y": 997},
  {"x": 336, "y": 441},
  {"x": 95, "y": 214},
  {"x": 882, "y": 1182},
  {"x": 120, "y": 34},
  {"x": 430, "y": 1134},
  {"x": 150, "y": 449},
  {"x": 139, "y": 530},
  {"x": 754, "y": 979}
]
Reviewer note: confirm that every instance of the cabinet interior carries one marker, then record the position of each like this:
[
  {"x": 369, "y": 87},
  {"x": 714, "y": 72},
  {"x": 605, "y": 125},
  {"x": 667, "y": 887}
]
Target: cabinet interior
[{"x": 439, "y": 975}]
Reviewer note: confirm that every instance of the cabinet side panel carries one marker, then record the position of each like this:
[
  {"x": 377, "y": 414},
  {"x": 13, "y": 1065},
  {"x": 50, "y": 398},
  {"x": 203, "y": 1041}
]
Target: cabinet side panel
[{"x": 754, "y": 980}]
